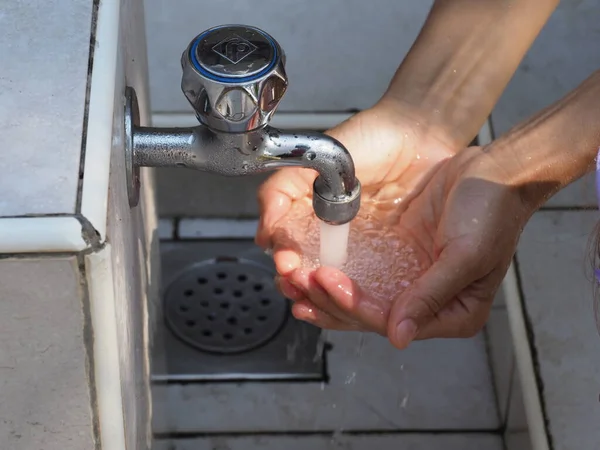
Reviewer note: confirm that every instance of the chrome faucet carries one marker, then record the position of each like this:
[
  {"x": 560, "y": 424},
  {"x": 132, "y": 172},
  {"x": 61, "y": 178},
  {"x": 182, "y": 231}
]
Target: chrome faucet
[{"x": 234, "y": 78}]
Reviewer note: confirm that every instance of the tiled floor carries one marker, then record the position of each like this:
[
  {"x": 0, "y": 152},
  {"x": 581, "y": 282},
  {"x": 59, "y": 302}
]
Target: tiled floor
[
  {"x": 560, "y": 307},
  {"x": 437, "y": 385},
  {"x": 389, "y": 442},
  {"x": 434, "y": 385}
]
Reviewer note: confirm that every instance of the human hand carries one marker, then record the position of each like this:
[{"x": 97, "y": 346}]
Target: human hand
[
  {"x": 392, "y": 153},
  {"x": 466, "y": 220}
]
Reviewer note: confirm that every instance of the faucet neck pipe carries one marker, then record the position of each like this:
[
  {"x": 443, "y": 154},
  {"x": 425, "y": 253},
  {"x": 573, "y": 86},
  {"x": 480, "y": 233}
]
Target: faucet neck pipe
[{"x": 238, "y": 154}]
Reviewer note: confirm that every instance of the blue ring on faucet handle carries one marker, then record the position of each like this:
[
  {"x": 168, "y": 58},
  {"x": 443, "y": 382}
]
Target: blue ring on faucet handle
[{"x": 232, "y": 80}]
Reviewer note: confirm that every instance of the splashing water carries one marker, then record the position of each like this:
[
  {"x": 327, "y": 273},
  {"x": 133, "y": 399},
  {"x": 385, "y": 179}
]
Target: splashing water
[
  {"x": 380, "y": 258},
  {"x": 333, "y": 244}
]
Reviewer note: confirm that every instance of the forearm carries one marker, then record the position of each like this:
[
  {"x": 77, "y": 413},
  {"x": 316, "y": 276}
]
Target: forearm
[
  {"x": 462, "y": 60},
  {"x": 555, "y": 147}
]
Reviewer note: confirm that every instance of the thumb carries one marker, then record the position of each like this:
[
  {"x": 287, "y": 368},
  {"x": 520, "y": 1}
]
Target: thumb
[{"x": 444, "y": 280}]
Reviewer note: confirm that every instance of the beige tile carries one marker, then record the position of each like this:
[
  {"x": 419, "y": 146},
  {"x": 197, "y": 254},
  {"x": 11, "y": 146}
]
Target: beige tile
[
  {"x": 188, "y": 193},
  {"x": 332, "y": 67},
  {"x": 44, "y": 390},
  {"x": 581, "y": 193},
  {"x": 559, "y": 303},
  {"x": 436, "y": 384},
  {"x": 389, "y": 442},
  {"x": 501, "y": 357},
  {"x": 166, "y": 229},
  {"x": 558, "y": 61}
]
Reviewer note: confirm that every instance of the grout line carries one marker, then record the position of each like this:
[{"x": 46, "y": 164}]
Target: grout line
[
  {"x": 88, "y": 88},
  {"x": 487, "y": 339},
  {"x": 511, "y": 385},
  {"x": 101, "y": 107}
]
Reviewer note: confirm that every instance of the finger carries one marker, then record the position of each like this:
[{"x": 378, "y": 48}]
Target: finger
[
  {"x": 458, "y": 319},
  {"x": 351, "y": 300},
  {"x": 286, "y": 259},
  {"x": 275, "y": 198},
  {"x": 305, "y": 281},
  {"x": 306, "y": 311},
  {"x": 419, "y": 304},
  {"x": 288, "y": 290},
  {"x": 465, "y": 315}
]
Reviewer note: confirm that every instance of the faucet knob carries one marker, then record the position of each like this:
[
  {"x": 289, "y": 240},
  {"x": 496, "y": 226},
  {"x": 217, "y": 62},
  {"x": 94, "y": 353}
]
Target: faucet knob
[{"x": 234, "y": 77}]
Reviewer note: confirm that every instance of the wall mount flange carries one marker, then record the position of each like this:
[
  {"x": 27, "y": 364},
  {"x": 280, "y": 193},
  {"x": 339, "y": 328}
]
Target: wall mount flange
[{"x": 132, "y": 172}]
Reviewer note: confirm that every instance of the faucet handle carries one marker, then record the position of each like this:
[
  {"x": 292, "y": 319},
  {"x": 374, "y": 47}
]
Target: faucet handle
[{"x": 234, "y": 77}]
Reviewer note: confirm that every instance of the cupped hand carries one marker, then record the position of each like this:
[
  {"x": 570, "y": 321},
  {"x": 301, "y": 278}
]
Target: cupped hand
[
  {"x": 467, "y": 220},
  {"x": 392, "y": 154}
]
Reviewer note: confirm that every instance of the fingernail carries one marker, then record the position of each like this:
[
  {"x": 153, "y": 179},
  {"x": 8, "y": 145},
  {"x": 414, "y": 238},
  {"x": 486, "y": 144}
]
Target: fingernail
[
  {"x": 406, "y": 331},
  {"x": 300, "y": 278}
]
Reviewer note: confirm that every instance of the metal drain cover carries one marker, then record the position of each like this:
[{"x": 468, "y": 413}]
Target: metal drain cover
[{"x": 225, "y": 306}]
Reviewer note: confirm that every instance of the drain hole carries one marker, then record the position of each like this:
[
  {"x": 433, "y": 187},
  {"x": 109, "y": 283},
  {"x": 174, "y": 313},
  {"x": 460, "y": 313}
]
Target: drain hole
[{"x": 227, "y": 306}]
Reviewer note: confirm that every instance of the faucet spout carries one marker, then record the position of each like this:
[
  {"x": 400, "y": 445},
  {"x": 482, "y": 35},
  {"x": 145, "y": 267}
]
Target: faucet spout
[{"x": 336, "y": 197}]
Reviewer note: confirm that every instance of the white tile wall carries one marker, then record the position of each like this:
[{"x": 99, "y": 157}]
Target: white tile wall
[
  {"x": 44, "y": 390},
  {"x": 341, "y": 54},
  {"x": 41, "y": 109},
  {"x": 50, "y": 310}
]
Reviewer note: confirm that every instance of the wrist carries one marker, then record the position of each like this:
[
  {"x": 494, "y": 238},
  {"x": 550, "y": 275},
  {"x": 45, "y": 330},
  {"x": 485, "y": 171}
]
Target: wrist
[
  {"x": 454, "y": 74},
  {"x": 553, "y": 148},
  {"x": 427, "y": 131}
]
